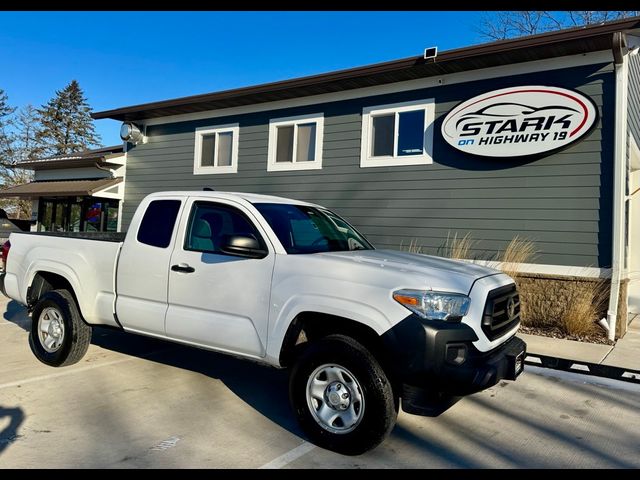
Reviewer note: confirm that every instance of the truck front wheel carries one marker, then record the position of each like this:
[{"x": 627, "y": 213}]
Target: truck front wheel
[
  {"x": 341, "y": 396},
  {"x": 58, "y": 337}
]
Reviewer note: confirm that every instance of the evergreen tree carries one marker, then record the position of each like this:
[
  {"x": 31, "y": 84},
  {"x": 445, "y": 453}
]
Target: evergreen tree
[{"x": 66, "y": 123}]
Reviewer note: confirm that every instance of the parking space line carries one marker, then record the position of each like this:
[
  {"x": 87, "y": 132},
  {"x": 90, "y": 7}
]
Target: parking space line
[
  {"x": 81, "y": 369},
  {"x": 290, "y": 456},
  {"x": 62, "y": 374}
]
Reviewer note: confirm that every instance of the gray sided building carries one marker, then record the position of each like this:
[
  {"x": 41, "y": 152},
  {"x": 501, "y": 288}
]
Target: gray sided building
[{"x": 345, "y": 140}]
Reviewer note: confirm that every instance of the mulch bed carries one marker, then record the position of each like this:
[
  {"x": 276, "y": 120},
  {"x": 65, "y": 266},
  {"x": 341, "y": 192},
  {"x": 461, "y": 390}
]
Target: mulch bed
[{"x": 555, "y": 332}]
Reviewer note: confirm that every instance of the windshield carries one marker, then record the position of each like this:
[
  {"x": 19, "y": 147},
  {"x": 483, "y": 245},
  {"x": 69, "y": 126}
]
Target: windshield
[{"x": 303, "y": 229}]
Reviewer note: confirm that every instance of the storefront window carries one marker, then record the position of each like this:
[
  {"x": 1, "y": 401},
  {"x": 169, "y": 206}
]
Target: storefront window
[
  {"x": 112, "y": 218},
  {"x": 93, "y": 217},
  {"x": 78, "y": 214},
  {"x": 60, "y": 219},
  {"x": 46, "y": 210}
]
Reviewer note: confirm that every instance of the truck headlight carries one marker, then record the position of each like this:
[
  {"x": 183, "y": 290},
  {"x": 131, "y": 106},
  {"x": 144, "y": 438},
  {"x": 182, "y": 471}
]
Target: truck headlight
[{"x": 434, "y": 305}]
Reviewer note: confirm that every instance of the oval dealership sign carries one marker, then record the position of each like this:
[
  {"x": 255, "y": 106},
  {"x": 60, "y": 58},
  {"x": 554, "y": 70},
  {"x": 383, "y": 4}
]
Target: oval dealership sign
[{"x": 519, "y": 121}]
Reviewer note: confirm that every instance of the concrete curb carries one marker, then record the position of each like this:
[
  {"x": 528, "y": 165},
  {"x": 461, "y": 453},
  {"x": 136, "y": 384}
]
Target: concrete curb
[{"x": 585, "y": 368}]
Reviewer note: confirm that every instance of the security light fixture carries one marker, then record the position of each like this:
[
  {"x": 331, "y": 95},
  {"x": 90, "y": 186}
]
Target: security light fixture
[
  {"x": 129, "y": 132},
  {"x": 430, "y": 53}
]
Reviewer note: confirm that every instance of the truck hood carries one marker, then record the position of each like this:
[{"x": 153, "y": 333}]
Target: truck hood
[{"x": 434, "y": 272}]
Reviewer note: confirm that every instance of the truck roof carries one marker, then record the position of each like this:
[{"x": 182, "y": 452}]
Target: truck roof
[{"x": 249, "y": 197}]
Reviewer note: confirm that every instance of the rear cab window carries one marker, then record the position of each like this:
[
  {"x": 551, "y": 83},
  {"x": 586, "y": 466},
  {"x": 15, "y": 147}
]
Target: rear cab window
[{"x": 158, "y": 222}]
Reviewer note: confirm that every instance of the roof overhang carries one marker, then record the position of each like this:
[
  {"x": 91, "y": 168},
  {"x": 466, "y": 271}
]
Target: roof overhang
[
  {"x": 77, "y": 163},
  {"x": 106, "y": 157},
  {"x": 572, "y": 41},
  {"x": 64, "y": 188}
]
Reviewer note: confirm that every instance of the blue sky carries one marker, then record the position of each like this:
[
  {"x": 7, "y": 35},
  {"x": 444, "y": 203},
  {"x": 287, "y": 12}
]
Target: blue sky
[{"x": 126, "y": 58}]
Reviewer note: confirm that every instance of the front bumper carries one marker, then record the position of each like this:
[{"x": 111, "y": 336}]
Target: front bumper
[
  {"x": 483, "y": 370},
  {"x": 440, "y": 357}
]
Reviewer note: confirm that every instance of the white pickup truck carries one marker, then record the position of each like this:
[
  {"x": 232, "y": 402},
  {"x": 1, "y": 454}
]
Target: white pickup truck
[{"x": 286, "y": 283}]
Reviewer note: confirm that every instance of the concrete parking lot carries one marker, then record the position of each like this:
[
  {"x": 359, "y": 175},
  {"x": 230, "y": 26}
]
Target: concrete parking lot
[{"x": 144, "y": 403}]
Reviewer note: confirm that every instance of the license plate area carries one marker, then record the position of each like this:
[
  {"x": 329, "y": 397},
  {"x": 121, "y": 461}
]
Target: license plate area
[
  {"x": 519, "y": 363},
  {"x": 515, "y": 365}
]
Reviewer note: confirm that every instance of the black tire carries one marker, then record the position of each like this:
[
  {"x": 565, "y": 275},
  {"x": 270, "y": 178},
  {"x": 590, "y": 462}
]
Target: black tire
[
  {"x": 77, "y": 334},
  {"x": 380, "y": 406}
]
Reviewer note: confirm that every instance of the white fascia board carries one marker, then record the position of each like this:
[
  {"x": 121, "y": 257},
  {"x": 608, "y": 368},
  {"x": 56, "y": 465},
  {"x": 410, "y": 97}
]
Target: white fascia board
[{"x": 544, "y": 269}]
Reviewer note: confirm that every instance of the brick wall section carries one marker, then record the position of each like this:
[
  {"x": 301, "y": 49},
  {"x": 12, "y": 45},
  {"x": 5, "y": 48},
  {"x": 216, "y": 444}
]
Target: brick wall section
[{"x": 545, "y": 298}]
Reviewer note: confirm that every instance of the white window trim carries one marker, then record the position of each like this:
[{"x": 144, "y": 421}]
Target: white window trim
[
  {"x": 425, "y": 158},
  {"x": 274, "y": 123},
  {"x": 198, "y": 169}
]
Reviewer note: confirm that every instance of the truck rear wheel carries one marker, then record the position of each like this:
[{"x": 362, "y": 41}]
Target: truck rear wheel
[
  {"x": 58, "y": 337},
  {"x": 341, "y": 396}
]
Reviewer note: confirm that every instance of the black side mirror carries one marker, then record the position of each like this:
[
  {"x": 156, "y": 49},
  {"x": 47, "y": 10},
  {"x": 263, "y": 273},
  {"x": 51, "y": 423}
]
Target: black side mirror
[{"x": 243, "y": 246}]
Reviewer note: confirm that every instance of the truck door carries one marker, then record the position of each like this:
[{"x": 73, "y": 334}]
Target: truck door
[
  {"x": 142, "y": 275},
  {"x": 215, "y": 299}
]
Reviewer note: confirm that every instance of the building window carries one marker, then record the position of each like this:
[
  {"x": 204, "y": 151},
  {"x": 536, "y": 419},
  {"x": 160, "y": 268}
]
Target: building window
[
  {"x": 398, "y": 134},
  {"x": 295, "y": 143},
  {"x": 216, "y": 149}
]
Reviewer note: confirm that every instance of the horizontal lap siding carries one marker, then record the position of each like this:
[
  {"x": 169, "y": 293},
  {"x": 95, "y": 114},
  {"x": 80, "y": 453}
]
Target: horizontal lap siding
[
  {"x": 633, "y": 112},
  {"x": 561, "y": 201}
]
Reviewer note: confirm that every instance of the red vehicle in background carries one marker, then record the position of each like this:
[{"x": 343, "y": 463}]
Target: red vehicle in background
[{"x": 5, "y": 253}]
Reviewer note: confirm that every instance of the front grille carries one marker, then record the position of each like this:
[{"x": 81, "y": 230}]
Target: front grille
[{"x": 496, "y": 319}]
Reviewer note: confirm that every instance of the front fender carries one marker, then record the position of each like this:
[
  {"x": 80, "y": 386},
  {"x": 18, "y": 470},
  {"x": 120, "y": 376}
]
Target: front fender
[{"x": 360, "y": 312}]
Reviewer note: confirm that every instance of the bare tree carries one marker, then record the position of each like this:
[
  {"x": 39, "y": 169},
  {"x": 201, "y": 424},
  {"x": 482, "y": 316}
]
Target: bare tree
[
  {"x": 22, "y": 147},
  {"x": 509, "y": 24},
  {"x": 6, "y": 121},
  {"x": 27, "y": 126}
]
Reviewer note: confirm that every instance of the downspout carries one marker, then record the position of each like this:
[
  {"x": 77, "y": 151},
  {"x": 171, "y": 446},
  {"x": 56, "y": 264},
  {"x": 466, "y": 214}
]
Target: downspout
[
  {"x": 106, "y": 169},
  {"x": 124, "y": 182},
  {"x": 619, "y": 179}
]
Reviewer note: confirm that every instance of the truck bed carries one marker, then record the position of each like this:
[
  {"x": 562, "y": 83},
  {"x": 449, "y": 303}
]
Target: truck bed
[
  {"x": 86, "y": 260},
  {"x": 101, "y": 236}
]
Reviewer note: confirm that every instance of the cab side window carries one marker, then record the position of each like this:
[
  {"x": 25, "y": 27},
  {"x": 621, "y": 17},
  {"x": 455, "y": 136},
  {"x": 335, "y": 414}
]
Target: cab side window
[{"x": 210, "y": 225}]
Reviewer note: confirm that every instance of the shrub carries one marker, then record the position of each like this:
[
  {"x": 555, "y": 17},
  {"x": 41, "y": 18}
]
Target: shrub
[
  {"x": 519, "y": 250},
  {"x": 584, "y": 306},
  {"x": 459, "y": 248},
  {"x": 413, "y": 247},
  {"x": 571, "y": 305}
]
